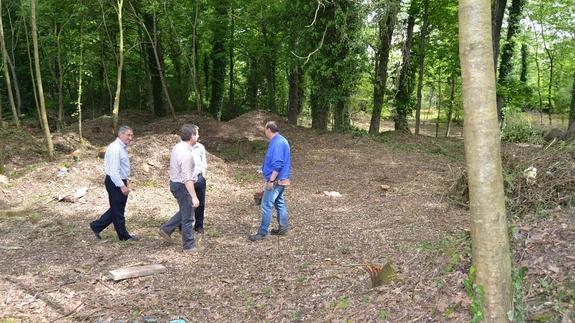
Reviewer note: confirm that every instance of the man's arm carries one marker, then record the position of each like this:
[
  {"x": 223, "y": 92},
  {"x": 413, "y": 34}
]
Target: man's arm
[
  {"x": 112, "y": 160},
  {"x": 190, "y": 187}
]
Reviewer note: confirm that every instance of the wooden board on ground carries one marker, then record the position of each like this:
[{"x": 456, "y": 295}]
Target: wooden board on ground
[{"x": 136, "y": 271}]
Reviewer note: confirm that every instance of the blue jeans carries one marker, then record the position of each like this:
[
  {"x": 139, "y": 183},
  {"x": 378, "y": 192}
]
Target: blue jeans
[{"x": 272, "y": 198}]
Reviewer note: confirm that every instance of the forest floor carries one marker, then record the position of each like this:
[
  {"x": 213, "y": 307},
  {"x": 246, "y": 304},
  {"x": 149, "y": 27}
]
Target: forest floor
[{"x": 394, "y": 208}]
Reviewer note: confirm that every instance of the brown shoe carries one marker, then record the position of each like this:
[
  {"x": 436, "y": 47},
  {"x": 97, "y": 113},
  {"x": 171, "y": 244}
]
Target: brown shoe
[{"x": 166, "y": 236}]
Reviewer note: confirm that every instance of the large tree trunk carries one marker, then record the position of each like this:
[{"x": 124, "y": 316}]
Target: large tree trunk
[
  {"x": 233, "y": 111},
  {"x": 497, "y": 14},
  {"x": 253, "y": 83},
  {"x": 505, "y": 67},
  {"x": 270, "y": 67},
  {"x": 6, "y": 71},
  {"x": 386, "y": 24},
  {"x": 489, "y": 231},
  {"x": 219, "y": 30},
  {"x": 319, "y": 107},
  {"x": 43, "y": 114},
  {"x": 422, "y": 35},
  {"x": 195, "y": 78},
  {"x": 116, "y": 106},
  {"x": 403, "y": 91}
]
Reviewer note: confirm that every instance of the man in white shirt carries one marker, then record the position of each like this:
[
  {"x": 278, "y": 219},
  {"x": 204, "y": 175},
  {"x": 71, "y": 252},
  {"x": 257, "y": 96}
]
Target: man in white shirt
[
  {"x": 182, "y": 170},
  {"x": 199, "y": 154},
  {"x": 117, "y": 169}
]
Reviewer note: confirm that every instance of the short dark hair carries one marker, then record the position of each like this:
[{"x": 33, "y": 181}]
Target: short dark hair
[
  {"x": 188, "y": 130},
  {"x": 123, "y": 129},
  {"x": 272, "y": 126}
]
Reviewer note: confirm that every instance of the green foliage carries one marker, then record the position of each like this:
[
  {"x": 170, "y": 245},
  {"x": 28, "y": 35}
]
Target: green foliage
[
  {"x": 477, "y": 295},
  {"x": 518, "y": 129},
  {"x": 382, "y": 314},
  {"x": 519, "y": 307}
]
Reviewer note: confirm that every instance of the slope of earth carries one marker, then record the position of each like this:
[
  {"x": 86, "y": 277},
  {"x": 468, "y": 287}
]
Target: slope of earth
[{"x": 393, "y": 209}]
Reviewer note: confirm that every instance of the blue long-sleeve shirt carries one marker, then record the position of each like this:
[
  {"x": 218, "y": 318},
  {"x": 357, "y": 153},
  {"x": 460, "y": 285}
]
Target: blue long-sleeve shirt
[
  {"x": 277, "y": 158},
  {"x": 116, "y": 162}
]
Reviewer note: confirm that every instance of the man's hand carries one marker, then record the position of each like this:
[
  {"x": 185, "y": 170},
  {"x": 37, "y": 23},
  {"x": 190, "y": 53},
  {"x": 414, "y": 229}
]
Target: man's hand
[
  {"x": 195, "y": 202},
  {"x": 269, "y": 186},
  {"x": 125, "y": 190}
]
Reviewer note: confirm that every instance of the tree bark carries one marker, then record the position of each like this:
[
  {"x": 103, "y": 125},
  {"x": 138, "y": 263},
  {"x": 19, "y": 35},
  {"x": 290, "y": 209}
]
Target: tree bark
[
  {"x": 270, "y": 66},
  {"x": 219, "y": 30},
  {"x": 422, "y": 35},
  {"x": 571, "y": 128},
  {"x": 60, "y": 79},
  {"x": 32, "y": 78},
  {"x": 295, "y": 94},
  {"x": 497, "y": 14},
  {"x": 490, "y": 240},
  {"x": 233, "y": 111},
  {"x": 403, "y": 91},
  {"x": 195, "y": 80},
  {"x": 116, "y": 106},
  {"x": 386, "y": 25},
  {"x": 505, "y": 67},
  {"x": 6, "y": 71},
  {"x": 451, "y": 105},
  {"x": 79, "y": 100},
  {"x": 43, "y": 114}
]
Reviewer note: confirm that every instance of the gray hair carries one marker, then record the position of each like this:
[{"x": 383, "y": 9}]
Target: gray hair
[
  {"x": 272, "y": 126},
  {"x": 123, "y": 129},
  {"x": 188, "y": 130}
]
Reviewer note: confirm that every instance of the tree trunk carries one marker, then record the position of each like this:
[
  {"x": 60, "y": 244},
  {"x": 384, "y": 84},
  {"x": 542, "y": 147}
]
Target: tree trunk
[
  {"x": 489, "y": 231},
  {"x": 270, "y": 69},
  {"x": 233, "y": 111},
  {"x": 403, "y": 91},
  {"x": 116, "y": 107},
  {"x": 79, "y": 100},
  {"x": 451, "y": 105},
  {"x": 155, "y": 83},
  {"x": 195, "y": 81},
  {"x": 60, "y": 122},
  {"x": 220, "y": 30},
  {"x": 32, "y": 78},
  {"x": 294, "y": 98},
  {"x": 505, "y": 67},
  {"x": 497, "y": 14},
  {"x": 438, "y": 105},
  {"x": 422, "y": 35},
  {"x": 319, "y": 105},
  {"x": 386, "y": 25},
  {"x": 43, "y": 114},
  {"x": 6, "y": 71},
  {"x": 253, "y": 83},
  {"x": 540, "y": 96},
  {"x": 571, "y": 128}
]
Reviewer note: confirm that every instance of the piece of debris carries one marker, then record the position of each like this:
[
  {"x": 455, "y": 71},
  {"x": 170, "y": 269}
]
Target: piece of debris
[
  {"x": 384, "y": 187},
  {"x": 332, "y": 193},
  {"x": 62, "y": 171},
  {"x": 73, "y": 198},
  {"x": 102, "y": 152},
  {"x": 258, "y": 197},
  {"x": 530, "y": 174},
  {"x": 4, "y": 180},
  {"x": 380, "y": 275},
  {"x": 136, "y": 271}
]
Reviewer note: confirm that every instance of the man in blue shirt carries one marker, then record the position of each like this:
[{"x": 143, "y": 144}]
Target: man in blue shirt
[
  {"x": 117, "y": 169},
  {"x": 276, "y": 171}
]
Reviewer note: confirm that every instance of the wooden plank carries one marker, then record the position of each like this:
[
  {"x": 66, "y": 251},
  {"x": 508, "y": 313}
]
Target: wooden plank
[{"x": 136, "y": 271}]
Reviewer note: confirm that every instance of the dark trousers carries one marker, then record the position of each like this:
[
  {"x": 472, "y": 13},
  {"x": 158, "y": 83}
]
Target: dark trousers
[
  {"x": 183, "y": 217},
  {"x": 115, "y": 213},
  {"x": 200, "y": 187}
]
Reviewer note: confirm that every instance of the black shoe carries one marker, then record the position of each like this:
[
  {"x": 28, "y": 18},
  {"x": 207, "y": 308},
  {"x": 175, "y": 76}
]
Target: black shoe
[
  {"x": 132, "y": 238},
  {"x": 97, "y": 234},
  {"x": 199, "y": 230},
  {"x": 279, "y": 232},
  {"x": 256, "y": 237}
]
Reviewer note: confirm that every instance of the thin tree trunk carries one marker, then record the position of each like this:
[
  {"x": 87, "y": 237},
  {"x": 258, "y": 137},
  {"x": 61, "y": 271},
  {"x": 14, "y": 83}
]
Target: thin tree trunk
[
  {"x": 423, "y": 33},
  {"x": 232, "y": 105},
  {"x": 438, "y": 105},
  {"x": 11, "y": 63},
  {"x": 551, "y": 58},
  {"x": 79, "y": 100},
  {"x": 294, "y": 99},
  {"x": 6, "y": 71},
  {"x": 60, "y": 81},
  {"x": 116, "y": 107},
  {"x": 451, "y": 105},
  {"x": 571, "y": 128},
  {"x": 43, "y": 114},
  {"x": 489, "y": 231},
  {"x": 540, "y": 96},
  {"x": 386, "y": 25},
  {"x": 32, "y": 78}
]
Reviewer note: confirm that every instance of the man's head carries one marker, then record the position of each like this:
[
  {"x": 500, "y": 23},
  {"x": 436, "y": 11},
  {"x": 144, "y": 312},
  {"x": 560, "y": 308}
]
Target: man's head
[
  {"x": 271, "y": 129},
  {"x": 126, "y": 134},
  {"x": 189, "y": 133}
]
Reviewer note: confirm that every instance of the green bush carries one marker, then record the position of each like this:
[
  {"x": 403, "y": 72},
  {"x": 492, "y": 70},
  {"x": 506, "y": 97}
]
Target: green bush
[{"x": 518, "y": 129}]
